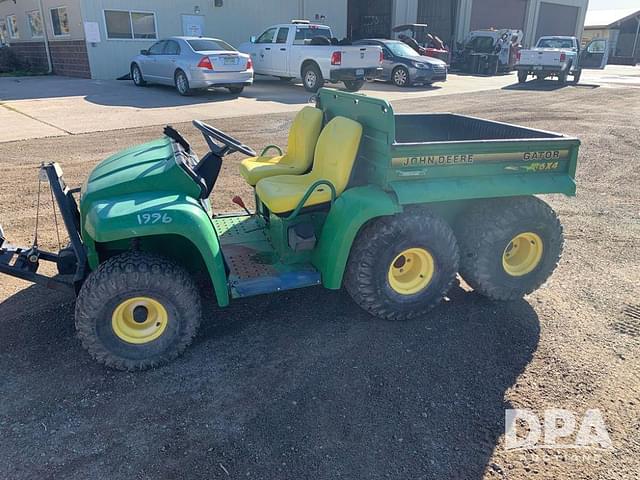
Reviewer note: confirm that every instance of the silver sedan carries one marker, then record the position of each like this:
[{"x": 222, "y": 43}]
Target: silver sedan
[{"x": 191, "y": 63}]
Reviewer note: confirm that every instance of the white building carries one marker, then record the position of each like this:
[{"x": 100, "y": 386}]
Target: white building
[{"x": 97, "y": 38}]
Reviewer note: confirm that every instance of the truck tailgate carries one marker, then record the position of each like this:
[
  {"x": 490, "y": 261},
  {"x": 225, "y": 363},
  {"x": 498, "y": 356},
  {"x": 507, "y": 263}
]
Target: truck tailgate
[
  {"x": 360, "y": 57},
  {"x": 540, "y": 57}
]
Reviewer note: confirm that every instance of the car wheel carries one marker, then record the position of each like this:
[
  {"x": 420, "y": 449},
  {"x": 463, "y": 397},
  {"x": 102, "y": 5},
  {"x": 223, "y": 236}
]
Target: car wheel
[
  {"x": 562, "y": 77},
  {"x": 236, "y": 90},
  {"x": 136, "y": 76},
  {"x": 576, "y": 76},
  {"x": 522, "y": 77},
  {"x": 312, "y": 78},
  {"x": 353, "y": 85},
  {"x": 182, "y": 83},
  {"x": 400, "y": 77}
]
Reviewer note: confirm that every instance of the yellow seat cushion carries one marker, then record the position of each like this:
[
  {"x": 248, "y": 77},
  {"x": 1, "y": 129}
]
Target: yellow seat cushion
[
  {"x": 301, "y": 144},
  {"x": 333, "y": 161},
  {"x": 256, "y": 168}
]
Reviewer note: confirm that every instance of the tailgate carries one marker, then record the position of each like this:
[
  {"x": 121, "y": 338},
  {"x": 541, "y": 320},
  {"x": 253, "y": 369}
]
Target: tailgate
[
  {"x": 540, "y": 57},
  {"x": 361, "y": 57}
]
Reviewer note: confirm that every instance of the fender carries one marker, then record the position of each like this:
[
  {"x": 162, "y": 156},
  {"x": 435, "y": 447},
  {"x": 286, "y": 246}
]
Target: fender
[
  {"x": 142, "y": 215},
  {"x": 349, "y": 213}
]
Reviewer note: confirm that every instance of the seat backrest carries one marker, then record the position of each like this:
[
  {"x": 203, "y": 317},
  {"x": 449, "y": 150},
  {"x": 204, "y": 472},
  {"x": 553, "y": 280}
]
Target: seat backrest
[
  {"x": 336, "y": 152},
  {"x": 303, "y": 137}
]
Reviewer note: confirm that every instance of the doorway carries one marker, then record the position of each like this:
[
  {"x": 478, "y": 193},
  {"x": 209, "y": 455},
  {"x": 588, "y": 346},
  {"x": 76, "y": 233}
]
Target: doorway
[
  {"x": 369, "y": 19},
  {"x": 441, "y": 16}
]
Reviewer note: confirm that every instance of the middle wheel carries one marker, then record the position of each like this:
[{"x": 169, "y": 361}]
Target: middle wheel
[{"x": 402, "y": 266}]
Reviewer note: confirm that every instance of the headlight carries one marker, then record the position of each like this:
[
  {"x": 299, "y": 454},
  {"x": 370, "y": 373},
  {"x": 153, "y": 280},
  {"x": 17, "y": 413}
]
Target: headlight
[{"x": 421, "y": 65}]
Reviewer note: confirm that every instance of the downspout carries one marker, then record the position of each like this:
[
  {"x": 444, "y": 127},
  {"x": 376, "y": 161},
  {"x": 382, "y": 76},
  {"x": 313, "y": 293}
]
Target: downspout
[
  {"x": 635, "y": 41},
  {"x": 46, "y": 38}
]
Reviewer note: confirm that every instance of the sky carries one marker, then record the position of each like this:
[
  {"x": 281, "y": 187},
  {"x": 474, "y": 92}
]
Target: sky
[{"x": 613, "y": 4}]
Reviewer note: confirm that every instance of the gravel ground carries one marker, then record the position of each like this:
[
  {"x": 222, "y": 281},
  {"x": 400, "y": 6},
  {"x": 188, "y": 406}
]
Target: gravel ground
[{"x": 303, "y": 384}]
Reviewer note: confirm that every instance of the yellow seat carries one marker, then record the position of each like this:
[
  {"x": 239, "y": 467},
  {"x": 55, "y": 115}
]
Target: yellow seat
[
  {"x": 333, "y": 160},
  {"x": 303, "y": 137}
]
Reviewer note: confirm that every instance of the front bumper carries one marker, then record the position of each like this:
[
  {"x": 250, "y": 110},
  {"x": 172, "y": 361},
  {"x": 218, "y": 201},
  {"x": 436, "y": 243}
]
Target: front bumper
[
  {"x": 423, "y": 75},
  {"x": 201, "y": 78},
  {"x": 342, "y": 74}
]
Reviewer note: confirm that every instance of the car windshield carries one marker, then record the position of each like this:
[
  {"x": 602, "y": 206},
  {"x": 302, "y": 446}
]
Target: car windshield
[
  {"x": 207, "y": 44},
  {"x": 400, "y": 49},
  {"x": 305, "y": 34},
  {"x": 555, "y": 43}
]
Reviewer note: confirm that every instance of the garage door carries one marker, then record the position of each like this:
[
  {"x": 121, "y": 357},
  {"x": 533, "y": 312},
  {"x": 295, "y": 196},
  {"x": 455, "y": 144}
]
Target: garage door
[
  {"x": 498, "y": 14},
  {"x": 555, "y": 19},
  {"x": 440, "y": 15}
]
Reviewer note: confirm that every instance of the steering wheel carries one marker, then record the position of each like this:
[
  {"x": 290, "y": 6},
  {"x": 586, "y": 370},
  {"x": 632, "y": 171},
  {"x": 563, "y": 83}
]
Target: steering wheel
[{"x": 229, "y": 144}]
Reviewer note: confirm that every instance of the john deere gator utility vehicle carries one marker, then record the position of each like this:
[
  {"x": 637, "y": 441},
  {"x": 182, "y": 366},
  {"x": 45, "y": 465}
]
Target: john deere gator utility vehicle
[{"x": 391, "y": 207}]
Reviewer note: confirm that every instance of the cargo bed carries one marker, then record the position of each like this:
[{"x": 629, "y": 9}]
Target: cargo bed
[{"x": 446, "y": 156}]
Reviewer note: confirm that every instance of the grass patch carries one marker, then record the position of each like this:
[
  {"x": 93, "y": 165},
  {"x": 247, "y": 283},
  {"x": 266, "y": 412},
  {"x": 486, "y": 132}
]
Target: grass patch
[{"x": 23, "y": 73}]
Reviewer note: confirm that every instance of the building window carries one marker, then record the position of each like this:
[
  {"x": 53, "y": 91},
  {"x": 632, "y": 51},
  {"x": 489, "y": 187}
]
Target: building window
[
  {"x": 60, "y": 22},
  {"x": 4, "y": 33},
  {"x": 130, "y": 25},
  {"x": 12, "y": 23},
  {"x": 35, "y": 24}
]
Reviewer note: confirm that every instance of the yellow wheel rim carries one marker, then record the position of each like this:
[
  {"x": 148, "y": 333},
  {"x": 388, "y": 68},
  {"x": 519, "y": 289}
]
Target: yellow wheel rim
[
  {"x": 411, "y": 271},
  {"x": 523, "y": 254},
  {"x": 139, "y": 320}
]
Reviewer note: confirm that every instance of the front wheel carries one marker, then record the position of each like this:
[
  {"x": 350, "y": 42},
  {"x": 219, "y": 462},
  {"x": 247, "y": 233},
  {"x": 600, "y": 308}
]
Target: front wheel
[
  {"x": 137, "y": 311},
  {"x": 182, "y": 84},
  {"x": 402, "y": 266},
  {"x": 353, "y": 85},
  {"x": 400, "y": 77},
  {"x": 509, "y": 247},
  {"x": 312, "y": 78},
  {"x": 136, "y": 76},
  {"x": 236, "y": 90}
]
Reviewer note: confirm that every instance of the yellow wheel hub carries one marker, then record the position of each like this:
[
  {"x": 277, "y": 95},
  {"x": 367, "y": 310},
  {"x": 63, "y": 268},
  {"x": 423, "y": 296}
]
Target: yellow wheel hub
[
  {"x": 523, "y": 254},
  {"x": 411, "y": 271},
  {"x": 139, "y": 320}
]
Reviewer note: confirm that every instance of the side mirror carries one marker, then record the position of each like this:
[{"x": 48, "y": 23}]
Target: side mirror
[
  {"x": 144, "y": 52},
  {"x": 252, "y": 39}
]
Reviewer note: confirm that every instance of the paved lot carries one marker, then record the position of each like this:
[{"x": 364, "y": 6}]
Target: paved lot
[
  {"x": 304, "y": 384},
  {"x": 38, "y": 107}
]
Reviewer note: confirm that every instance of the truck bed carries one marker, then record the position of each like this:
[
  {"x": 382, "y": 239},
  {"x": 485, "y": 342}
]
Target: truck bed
[{"x": 449, "y": 127}]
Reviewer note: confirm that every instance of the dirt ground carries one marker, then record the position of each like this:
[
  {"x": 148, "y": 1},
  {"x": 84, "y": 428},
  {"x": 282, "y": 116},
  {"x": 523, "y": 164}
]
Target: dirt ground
[{"x": 304, "y": 384}]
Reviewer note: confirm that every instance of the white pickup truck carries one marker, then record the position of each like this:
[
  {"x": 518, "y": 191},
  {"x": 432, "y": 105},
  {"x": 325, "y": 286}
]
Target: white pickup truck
[
  {"x": 558, "y": 56},
  {"x": 307, "y": 51}
]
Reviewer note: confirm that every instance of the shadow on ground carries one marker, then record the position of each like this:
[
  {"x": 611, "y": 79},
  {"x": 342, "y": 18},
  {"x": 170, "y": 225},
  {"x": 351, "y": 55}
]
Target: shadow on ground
[
  {"x": 302, "y": 384},
  {"x": 546, "y": 85}
]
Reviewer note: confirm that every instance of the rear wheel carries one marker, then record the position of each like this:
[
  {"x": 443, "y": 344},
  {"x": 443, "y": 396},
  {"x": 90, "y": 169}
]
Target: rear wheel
[
  {"x": 509, "y": 247},
  {"x": 522, "y": 76},
  {"x": 400, "y": 267},
  {"x": 353, "y": 85},
  {"x": 562, "y": 77},
  {"x": 312, "y": 78},
  {"x": 236, "y": 90},
  {"x": 182, "y": 83},
  {"x": 400, "y": 77},
  {"x": 576, "y": 76},
  {"x": 137, "y": 311},
  {"x": 136, "y": 76}
]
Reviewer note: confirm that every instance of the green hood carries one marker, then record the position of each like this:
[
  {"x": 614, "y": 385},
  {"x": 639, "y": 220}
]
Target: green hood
[{"x": 150, "y": 167}]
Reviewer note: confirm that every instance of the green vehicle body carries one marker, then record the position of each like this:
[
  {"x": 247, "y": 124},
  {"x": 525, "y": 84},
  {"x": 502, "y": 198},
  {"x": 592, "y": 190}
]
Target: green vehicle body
[{"x": 143, "y": 195}]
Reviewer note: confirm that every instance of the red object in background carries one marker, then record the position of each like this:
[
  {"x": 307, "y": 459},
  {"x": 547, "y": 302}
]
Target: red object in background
[{"x": 437, "y": 53}]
